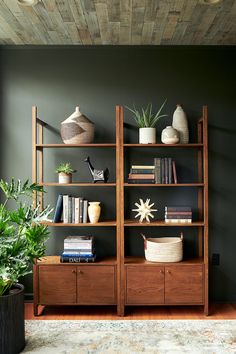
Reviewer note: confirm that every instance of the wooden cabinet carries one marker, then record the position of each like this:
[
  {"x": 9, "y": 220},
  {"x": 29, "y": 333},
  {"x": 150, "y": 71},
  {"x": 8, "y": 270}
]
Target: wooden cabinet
[
  {"x": 74, "y": 284},
  {"x": 184, "y": 284},
  {"x": 96, "y": 285},
  {"x": 170, "y": 284},
  {"x": 143, "y": 286},
  {"x": 57, "y": 286}
]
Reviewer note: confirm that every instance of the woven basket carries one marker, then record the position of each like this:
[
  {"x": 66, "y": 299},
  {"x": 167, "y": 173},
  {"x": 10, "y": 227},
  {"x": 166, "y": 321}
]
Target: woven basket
[{"x": 163, "y": 249}]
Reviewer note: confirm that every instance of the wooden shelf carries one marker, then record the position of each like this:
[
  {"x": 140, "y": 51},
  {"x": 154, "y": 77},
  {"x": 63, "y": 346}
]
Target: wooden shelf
[
  {"x": 61, "y": 224},
  {"x": 142, "y": 261},
  {"x": 48, "y": 146},
  {"x": 165, "y": 145},
  {"x": 162, "y": 223},
  {"x": 164, "y": 185},
  {"x": 77, "y": 184},
  {"x": 56, "y": 260}
]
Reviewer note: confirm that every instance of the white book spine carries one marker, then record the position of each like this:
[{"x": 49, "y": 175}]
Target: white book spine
[{"x": 65, "y": 209}]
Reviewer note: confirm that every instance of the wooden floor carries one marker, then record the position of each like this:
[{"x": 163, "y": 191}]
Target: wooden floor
[{"x": 217, "y": 311}]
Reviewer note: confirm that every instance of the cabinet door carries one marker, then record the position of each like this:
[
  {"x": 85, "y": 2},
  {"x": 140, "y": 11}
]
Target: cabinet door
[
  {"x": 184, "y": 284},
  {"x": 144, "y": 285},
  {"x": 96, "y": 285},
  {"x": 57, "y": 285}
]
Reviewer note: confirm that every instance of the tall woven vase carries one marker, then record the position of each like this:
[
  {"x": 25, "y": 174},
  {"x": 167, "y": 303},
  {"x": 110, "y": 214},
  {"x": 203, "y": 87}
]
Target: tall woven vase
[
  {"x": 180, "y": 123},
  {"x": 77, "y": 129}
]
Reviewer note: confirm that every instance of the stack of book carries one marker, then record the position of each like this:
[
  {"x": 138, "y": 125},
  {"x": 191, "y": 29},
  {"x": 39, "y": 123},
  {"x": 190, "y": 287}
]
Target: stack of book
[
  {"x": 178, "y": 214},
  {"x": 70, "y": 209},
  {"x": 78, "y": 249},
  {"x": 165, "y": 170},
  {"x": 142, "y": 174}
]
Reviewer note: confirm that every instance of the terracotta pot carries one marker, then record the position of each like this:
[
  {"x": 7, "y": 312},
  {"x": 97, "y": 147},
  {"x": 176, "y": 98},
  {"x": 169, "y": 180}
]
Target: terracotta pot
[{"x": 94, "y": 211}]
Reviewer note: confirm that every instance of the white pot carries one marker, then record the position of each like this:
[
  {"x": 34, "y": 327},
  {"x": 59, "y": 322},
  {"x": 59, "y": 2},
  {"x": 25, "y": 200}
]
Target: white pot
[
  {"x": 64, "y": 178},
  {"x": 180, "y": 123},
  {"x": 169, "y": 135},
  {"x": 147, "y": 135},
  {"x": 94, "y": 211}
]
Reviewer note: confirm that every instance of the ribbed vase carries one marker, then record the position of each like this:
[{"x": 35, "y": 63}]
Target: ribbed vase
[
  {"x": 180, "y": 123},
  {"x": 77, "y": 129}
]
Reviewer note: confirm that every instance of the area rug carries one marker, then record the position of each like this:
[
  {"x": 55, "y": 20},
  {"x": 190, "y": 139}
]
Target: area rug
[{"x": 131, "y": 337}]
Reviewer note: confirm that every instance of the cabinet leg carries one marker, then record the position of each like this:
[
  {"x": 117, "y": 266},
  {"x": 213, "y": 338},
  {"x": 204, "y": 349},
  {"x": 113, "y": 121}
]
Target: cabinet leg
[
  {"x": 206, "y": 310},
  {"x": 121, "y": 311},
  {"x": 36, "y": 313}
]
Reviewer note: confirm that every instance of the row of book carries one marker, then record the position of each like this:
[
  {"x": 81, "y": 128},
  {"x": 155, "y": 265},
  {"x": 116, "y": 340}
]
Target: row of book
[
  {"x": 178, "y": 214},
  {"x": 71, "y": 210},
  {"x": 162, "y": 172},
  {"x": 78, "y": 249}
]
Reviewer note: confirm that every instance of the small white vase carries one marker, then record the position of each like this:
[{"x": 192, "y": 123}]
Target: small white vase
[
  {"x": 180, "y": 123},
  {"x": 169, "y": 135},
  {"x": 64, "y": 178},
  {"x": 147, "y": 135},
  {"x": 94, "y": 211}
]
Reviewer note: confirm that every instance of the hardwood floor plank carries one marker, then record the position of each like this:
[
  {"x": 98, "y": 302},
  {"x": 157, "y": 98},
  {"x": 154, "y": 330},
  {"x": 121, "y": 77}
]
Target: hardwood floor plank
[{"x": 217, "y": 312}]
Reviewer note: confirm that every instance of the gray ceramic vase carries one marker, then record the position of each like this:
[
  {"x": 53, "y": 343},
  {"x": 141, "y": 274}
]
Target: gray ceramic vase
[{"x": 77, "y": 129}]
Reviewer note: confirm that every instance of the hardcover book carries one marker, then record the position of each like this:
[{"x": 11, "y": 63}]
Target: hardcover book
[{"x": 58, "y": 209}]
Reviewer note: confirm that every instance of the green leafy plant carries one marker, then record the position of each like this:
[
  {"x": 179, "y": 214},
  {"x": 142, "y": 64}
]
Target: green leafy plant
[
  {"x": 145, "y": 118},
  {"x": 22, "y": 236},
  {"x": 65, "y": 168}
]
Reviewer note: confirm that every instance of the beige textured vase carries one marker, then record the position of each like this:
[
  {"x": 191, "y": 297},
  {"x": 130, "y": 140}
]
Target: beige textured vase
[
  {"x": 77, "y": 129},
  {"x": 180, "y": 123},
  {"x": 94, "y": 211},
  {"x": 64, "y": 178}
]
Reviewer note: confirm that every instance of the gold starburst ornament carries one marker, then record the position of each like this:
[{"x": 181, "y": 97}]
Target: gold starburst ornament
[{"x": 144, "y": 210}]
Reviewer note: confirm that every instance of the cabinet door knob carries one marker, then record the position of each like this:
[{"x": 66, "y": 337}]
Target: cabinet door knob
[
  {"x": 80, "y": 271},
  {"x": 161, "y": 271},
  {"x": 73, "y": 271},
  {"x": 168, "y": 271}
]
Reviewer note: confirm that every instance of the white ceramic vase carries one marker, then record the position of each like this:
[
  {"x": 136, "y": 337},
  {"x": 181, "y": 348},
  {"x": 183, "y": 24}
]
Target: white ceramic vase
[
  {"x": 64, "y": 178},
  {"x": 147, "y": 135},
  {"x": 77, "y": 129},
  {"x": 94, "y": 211},
  {"x": 180, "y": 123},
  {"x": 169, "y": 135}
]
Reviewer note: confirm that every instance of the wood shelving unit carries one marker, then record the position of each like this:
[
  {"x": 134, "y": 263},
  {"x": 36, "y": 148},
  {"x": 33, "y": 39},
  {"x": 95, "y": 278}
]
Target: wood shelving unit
[
  {"x": 126, "y": 280},
  {"x": 183, "y": 283},
  {"x": 57, "y": 283}
]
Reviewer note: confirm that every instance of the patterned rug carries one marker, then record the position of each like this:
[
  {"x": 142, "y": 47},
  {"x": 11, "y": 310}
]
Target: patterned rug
[{"x": 129, "y": 336}]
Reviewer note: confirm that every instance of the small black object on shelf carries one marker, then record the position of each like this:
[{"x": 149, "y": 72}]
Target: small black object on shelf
[{"x": 98, "y": 175}]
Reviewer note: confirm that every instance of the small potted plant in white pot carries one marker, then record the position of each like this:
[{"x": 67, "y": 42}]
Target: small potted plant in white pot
[
  {"x": 65, "y": 171},
  {"x": 22, "y": 241},
  {"x": 146, "y": 121}
]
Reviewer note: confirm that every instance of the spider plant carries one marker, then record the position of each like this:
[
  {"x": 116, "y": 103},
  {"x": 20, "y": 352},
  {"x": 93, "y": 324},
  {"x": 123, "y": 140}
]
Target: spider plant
[{"x": 146, "y": 118}]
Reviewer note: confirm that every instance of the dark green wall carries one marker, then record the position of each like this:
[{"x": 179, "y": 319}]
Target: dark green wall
[{"x": 98, "y": 78}]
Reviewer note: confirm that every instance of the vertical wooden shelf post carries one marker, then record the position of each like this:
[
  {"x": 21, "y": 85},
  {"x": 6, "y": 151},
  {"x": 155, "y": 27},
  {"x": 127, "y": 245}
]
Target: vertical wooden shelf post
[
  {"x": 34, "y": 151},
  {"x": 205, "y": 197}
]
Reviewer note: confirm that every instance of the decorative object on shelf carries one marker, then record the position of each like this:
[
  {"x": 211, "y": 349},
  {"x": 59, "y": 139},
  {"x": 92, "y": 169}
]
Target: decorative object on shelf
[
  {"x": 94, "y": 211},
  {"x": 146, "y": 121},
  {"x": 144, "y": 210},
  {"x": 163, "y": 249},
  {"x": 169, "y": 135},
  {"x": 98, "y": 175},
  {"x": 77, "y": 129},
  {"x": 180, "y": 123},
  {"x": 65, "y": 171},
  {"x": 22, "y": 241}
]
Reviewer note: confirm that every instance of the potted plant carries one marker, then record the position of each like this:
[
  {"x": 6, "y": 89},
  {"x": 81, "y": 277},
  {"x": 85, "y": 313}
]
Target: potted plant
[
  {"x": 146, "y": 121},
  {"x": 22, "y": 240},
  {"x": 65, "y": 171}
]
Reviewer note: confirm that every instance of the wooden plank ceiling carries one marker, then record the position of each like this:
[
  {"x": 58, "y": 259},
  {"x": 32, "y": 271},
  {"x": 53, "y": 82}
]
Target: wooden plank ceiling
[{"x": 135, "y": 22}]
